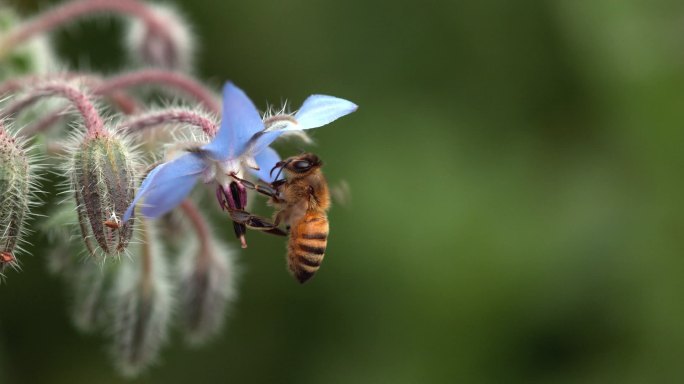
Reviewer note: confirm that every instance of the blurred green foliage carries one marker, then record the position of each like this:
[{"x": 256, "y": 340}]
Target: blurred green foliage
[{"x": 516, "y": 177}]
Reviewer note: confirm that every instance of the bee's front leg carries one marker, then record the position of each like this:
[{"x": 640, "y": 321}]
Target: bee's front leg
[{"x": 267, "y": 190}]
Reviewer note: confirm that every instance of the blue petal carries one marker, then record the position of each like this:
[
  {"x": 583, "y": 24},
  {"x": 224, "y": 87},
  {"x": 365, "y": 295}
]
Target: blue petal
[
  {"x": 319, "y": 110},
  {"x": 167, "y": 185},
  {"x": 141, "y": 191},
  {"x": 240, "y": 121},
  {"x": 266, "y": 160}
]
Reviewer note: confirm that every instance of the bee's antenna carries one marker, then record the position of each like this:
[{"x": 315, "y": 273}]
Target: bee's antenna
[{"x": 280, "y": 165}]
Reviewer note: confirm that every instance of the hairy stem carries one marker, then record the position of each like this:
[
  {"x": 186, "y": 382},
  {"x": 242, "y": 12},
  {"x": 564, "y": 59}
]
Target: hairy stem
[
  {"x": 14, "y": 85},
  {"x": 170, "y": 116},
  {"x": 125, "y": 103},
  {"x": 91, "y": 117},
  {"x": 146, "y": 254},
  {"x": 71, "y": 11},
  {"x": 200, "y": 226},
  {"x": 166, "y": 78},
  {"x": 114, "y": 89}
]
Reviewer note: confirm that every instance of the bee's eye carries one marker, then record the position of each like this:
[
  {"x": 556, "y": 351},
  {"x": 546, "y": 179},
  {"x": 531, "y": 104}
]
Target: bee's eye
[{"x": 302, "y": 165}]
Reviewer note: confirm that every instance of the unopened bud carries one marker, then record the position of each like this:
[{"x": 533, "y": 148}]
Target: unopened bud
[
  {"x": 165, "y": 41},
  {"x": 15, "y": 194},
  {"x": 141, "y": 305},
  {"x": 207, "y": 288},
  {"x": 64, "y": 252},
  {"x": 91, "y": 285},
  {"x": 103, "y": 179}
]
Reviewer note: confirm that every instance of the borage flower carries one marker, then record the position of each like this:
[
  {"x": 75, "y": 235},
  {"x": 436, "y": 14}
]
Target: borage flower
[{"x": 243, "y": 138}]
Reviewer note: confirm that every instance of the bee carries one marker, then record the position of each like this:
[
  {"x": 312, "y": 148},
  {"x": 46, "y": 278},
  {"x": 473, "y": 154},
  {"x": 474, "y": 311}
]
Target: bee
[{"x": 301, "y": 201}]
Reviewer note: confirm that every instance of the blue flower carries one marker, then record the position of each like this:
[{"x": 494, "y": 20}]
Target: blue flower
[{"x": 243, "y": 138}]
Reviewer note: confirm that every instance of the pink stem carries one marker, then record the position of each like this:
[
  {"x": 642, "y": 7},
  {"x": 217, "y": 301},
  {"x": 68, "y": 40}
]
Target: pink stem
[
  {"x": 18, "y": 84},
  {"x": 199, "y": 223},
  {"x": 168, "y": 117},
  {"x": 93, "y": 122},
  {"x": 113, "y": 86},
  {"x": 164, "y": 78},
  {"x": 70, "y": 11},
  {"x": 125, "y": 103}
]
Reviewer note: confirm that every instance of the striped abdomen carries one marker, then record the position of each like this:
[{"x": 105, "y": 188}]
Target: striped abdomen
[{"x": 306, "y": 247}]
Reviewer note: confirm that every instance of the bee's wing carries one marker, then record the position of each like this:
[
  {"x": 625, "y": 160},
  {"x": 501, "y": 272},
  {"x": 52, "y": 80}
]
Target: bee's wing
[
  {"x": 240, "y": 120},
  {"x": 341, "y": 193},
  {"x": 167, "y": 185},
  {"x": 266, "y": 160}
]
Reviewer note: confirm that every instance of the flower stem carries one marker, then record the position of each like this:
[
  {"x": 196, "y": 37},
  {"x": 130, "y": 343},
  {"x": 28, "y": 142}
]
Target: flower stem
[
  {"x": 163, "y": 77},
  {"x": 91, "y": 117},
  {"x": 125, "y": 103},
  {"x": 146, "y": 255},
  {"x": 171, "y": 116},
  {"x": 199, "y": 223},
  {"x": 70, "y": 11},
  {"x": 14, "y": 85},
  {"x": 114, "y": 89}
]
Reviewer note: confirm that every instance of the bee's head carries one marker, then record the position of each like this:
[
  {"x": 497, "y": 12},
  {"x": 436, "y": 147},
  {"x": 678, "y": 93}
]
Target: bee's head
[{"x": 299, "y": 166}]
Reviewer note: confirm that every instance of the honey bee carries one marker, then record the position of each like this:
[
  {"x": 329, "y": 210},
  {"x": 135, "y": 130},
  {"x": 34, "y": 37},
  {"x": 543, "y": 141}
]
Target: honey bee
[{"x": 301, "y": 200}]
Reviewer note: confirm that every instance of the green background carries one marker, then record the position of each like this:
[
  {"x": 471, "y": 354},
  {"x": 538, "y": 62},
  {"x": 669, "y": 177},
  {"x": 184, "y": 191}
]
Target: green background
[{"x": 516, "y": 183}]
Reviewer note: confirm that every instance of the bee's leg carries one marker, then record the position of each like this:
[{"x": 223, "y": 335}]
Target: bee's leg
[
  {"x": 255, "y": 222},
  {"x": 278, "y": 218},
  {"x": 263, "y": 189}
]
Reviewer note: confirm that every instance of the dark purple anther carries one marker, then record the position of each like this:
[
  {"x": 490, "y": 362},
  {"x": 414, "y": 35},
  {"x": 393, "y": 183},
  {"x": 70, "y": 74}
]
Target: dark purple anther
[
  {"x": 242, "y": 192},
  {"x": 231, "y": 199},
  {"x": 237, "y": 199},
  {"x": 221, "y": 197}
]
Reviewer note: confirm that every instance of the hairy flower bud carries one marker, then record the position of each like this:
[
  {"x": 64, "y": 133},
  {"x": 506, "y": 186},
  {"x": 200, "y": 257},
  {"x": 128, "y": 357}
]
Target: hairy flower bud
[
  {"x": 15, "y": 194},
  {"x": 64, "y": 252},
  {"x": 141, "y": 305},
  {"x": 103, "y": 180},
  {"x": 166, "y": 42},
  {"x": 91, "y": 285},
  {"x": 89, "y": 282},
  {"x": 207, "y": 287}
]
